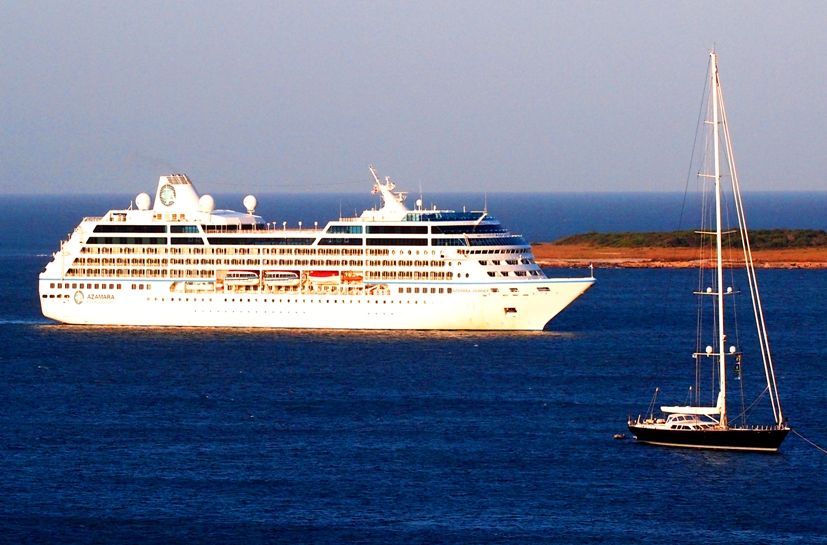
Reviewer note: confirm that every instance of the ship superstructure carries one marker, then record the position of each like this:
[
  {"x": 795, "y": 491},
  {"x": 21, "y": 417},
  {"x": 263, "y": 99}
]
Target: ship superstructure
[{"x": 177, "y": 261}]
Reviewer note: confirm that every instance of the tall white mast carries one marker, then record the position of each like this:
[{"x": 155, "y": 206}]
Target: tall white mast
[{"x": 713, "y": 68}]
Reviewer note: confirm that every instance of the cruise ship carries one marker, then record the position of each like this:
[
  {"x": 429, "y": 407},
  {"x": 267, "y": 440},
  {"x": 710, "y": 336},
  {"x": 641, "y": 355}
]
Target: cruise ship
[{"x": 176, "y": 260}]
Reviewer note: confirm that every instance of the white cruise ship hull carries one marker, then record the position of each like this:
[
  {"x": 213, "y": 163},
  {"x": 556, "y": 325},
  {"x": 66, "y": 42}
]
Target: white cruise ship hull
[
  {"x": 524, "y": 305},
  {"x": 181, "y": 262}
]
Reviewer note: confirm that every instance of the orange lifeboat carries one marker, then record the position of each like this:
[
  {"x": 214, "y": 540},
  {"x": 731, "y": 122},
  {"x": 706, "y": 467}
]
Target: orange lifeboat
[{"x": 351, "y": 277}]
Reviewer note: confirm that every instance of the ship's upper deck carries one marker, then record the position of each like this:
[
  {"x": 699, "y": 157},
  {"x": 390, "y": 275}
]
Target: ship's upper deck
[
  {"x": 176, "y": 200},
  {"x": 180, "y": 216}
]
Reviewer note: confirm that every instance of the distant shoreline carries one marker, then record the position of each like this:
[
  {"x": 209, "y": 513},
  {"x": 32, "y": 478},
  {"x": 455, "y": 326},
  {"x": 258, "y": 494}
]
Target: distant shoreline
[{"x": 549, "y": 254}]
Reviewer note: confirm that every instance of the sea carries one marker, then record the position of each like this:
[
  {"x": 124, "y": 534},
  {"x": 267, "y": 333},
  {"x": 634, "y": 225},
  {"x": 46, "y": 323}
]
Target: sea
[{"x": 183, "y": 435}]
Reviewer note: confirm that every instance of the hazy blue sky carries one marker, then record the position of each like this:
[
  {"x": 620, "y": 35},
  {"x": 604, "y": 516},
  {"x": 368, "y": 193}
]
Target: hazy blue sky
[{"x": 457, "y": 96}]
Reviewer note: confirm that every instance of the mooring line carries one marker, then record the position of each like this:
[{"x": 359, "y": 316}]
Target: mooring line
[{"x": 824, "y": 451}]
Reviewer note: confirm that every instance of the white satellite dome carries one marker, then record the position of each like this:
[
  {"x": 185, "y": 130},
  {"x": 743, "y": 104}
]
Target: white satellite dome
[
  {"x": 206, "y": 204},
  {"x": 250, "y": 203},
  {"x": 142, "y": 201}
]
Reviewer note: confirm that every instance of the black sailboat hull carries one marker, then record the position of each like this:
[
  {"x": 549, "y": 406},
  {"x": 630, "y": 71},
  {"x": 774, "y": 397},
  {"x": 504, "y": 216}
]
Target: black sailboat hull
[{"x": 761, "y": 439}]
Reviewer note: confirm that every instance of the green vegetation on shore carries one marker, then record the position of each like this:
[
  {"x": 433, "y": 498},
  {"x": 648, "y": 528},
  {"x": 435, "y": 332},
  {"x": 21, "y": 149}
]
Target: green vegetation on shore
[{"x": 759, "y": 240}]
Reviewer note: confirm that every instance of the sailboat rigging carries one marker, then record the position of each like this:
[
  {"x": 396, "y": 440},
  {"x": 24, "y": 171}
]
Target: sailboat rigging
[{"x": 709, "y": 426}]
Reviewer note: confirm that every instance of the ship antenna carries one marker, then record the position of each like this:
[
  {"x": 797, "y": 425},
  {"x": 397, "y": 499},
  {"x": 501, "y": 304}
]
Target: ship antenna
[{"x": 373, "y": 172}]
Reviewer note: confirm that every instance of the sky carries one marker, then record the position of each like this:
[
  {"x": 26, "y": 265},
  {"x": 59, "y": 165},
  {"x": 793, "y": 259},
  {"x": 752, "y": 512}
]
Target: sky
[{"x": 460, "y": 96}]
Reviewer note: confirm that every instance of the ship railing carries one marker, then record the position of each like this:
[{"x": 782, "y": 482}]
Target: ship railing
[{"x": 268, "y": 227}]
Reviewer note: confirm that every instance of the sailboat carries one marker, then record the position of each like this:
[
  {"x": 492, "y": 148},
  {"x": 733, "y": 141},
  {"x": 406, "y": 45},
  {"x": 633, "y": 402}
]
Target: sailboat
[{"x": 707, "y": 424}]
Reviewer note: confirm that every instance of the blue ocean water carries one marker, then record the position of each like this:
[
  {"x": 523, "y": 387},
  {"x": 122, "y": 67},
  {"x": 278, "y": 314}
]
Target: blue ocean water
[{"x": 132, "y": 435}]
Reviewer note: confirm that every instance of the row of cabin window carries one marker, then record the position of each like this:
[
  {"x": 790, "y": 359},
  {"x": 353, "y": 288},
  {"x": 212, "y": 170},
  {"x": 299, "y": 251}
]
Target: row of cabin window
[
  {"x": 141, "y": 262},
  {"x": 524, "y": 251},
  {"x": 409, "y": 275},
  {"x": 94, "y": 286},
  {"x": 157, "y": 262},
  {"x": 108, "y": 228},
  {"x": 507, "y": 261},
  {"x": 333, "y": 229},
  {"x": 282, "y": 301},
  {"x": 107, "y": 250},
  {"x": 139, "y": 272},
  {"x": 83, "y": 285},
  {"x": 516, "y": 273},
  {"x": 425, "y": 290},
  {"x": 213, "y": 241}
]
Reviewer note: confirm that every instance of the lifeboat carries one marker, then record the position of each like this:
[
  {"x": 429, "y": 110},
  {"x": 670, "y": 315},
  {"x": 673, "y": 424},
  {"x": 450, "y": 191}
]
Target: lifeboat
[
  {"x": 351, "y": 277},
  {"x": 281, "y": 278},
  {"x": 241, "y": 278},
  {"x": 324, "y": 277},
  {"x": 199, "y": 286}
]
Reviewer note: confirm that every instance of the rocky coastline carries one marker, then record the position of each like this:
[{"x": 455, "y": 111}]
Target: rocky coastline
[{"x": 583, "y": 255}]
